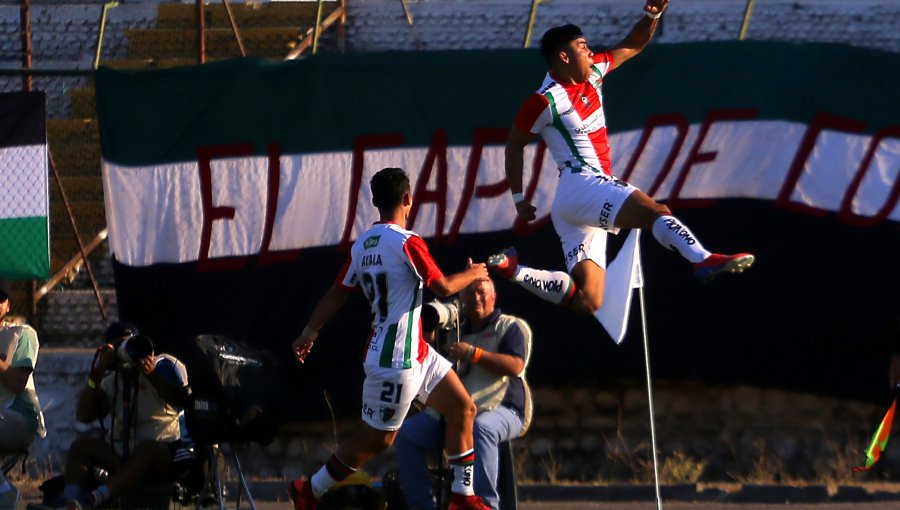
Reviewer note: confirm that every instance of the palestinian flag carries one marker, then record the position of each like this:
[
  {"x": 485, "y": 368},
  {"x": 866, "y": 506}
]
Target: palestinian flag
[
  {"x": 24, "y": 196},
  {"x": 233, "y": 189}
]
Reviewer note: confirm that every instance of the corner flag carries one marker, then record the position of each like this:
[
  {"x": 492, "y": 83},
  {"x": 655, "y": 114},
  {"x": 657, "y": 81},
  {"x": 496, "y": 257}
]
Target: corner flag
[{"x": 623, "y": 275}]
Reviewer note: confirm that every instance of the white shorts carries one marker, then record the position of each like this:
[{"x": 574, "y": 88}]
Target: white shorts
[
  {"x": 388, "y": 392},
  {"x": 584, "y": 210}
]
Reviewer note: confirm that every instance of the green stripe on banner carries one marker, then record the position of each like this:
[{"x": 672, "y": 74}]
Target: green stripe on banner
[
  {"x": 24, "y": 252},
  {"x": 325, "y": 102}
]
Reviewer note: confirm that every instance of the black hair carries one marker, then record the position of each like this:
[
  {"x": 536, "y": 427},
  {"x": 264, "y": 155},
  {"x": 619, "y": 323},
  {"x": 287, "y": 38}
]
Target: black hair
[
  {"x": 556, "y": 39},
  {"x": 3, "y": 296},
  {"x": 388, "y": 187}
]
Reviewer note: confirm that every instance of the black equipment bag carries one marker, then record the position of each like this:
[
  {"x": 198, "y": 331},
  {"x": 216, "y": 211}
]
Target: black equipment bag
[{"x": 236, "y": 389}]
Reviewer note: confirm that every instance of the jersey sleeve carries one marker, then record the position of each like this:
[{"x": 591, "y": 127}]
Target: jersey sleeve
[
  {"x": 603, "y": 62},
  {"x": 418, "y": 254},
  {"x": 534, "y": 114},
  {"x": 347, "y": 277},
  {"x": 25, "y": 355}
]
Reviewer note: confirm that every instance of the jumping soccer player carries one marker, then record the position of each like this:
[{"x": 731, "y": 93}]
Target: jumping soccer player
[
  {"x": 567, "y": 111},
  {"x": 392, "y": 264}
]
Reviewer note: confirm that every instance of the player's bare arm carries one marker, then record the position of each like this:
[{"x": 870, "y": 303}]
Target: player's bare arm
[
  {"x": 640, "y": 35},
  {"x": 451, "y": 284},
  {"x": 515, "y": 150},
  {"x": 328, "y": 306}
]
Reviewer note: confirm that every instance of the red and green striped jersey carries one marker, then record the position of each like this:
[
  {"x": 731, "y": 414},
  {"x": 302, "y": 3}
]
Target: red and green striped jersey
[
  {"x": 392, "y": 265},
  {"x": 570, "y": 119}
]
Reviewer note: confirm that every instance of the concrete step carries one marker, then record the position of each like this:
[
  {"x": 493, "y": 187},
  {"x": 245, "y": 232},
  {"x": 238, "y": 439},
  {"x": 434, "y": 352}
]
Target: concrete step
[
  {"x": 167, "y": 43},
  {"x": 246, "y": 15},
  {"x": 72, "y": 318},
  {"x": 76, "y": 159},
  {"x": 66, "y": 131},
  {"x": 78, "y": 188},
  {"x": 90, "y": 217}
]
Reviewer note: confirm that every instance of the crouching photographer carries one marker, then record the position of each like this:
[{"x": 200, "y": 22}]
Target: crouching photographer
[
  {"x": 491, "y": 350},
  {"x": 142, "y": 393}
]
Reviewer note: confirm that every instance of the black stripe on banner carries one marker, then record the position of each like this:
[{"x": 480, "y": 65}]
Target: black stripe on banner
[{"x": 23, "y": 119}]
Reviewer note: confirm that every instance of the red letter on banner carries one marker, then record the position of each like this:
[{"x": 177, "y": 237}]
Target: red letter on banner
[
  {"x": 480, "y": 138},
  {"x": 681, "y": 124},
  {"x": 266, "y": 256},
  {"x": 437, "y": 153},
  {"x": 695, "y": 156},
  {"x": 819, "y": 123},
  {"x": 846, "y": 214},
  {"x": 360, "y": 144},
  {"x": 212, "y": 213}
]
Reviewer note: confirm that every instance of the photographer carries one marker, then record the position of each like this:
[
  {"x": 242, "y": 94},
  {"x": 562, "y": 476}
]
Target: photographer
[
  {"x": 142, "y": 393},
  {"x": 492, "y": 354}
]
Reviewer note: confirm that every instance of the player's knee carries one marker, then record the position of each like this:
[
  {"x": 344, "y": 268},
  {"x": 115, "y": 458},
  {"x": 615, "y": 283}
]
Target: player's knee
[
  {"x": 589, "y": 303},
  {"x": 464, "y": 412}
]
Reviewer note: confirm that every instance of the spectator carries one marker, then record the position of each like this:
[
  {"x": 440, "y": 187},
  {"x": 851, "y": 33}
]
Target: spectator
[
  {"x": 492, "y": 355},
  {"x": 20, "y": 411}
]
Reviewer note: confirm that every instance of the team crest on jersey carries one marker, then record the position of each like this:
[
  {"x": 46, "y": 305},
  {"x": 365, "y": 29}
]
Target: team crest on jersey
[
  {"x": 371, "y": 242},
  {"x": 387, "y": 413},
  {"x": 584, "y": 100}
]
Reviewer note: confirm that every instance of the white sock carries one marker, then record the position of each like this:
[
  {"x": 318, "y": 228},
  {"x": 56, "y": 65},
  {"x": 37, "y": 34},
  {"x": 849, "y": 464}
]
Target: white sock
[
  {"x": 327, "y": 476},
  {"x": 554, "y": 286},
  {"x": 672, "y": 234},
  {"x": 462, "y": 473}
]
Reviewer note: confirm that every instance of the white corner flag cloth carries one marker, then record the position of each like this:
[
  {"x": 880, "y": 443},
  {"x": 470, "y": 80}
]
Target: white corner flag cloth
[{"x": 623, "y": 275}]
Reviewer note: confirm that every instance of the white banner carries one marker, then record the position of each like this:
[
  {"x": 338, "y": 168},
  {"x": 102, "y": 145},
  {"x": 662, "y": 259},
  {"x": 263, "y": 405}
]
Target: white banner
[{"x": 156, "y": 214}]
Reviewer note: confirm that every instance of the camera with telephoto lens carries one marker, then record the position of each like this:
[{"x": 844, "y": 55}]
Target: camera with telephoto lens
[
  {"x": 438, "y": 315},
  {"x": 130, "y": 350}
]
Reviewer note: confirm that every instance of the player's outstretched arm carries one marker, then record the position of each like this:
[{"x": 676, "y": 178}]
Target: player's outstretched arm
[
  {"x": 515, "y": 150},
  {"x": 328, "y": 306},
  {"x": 451, "y": 284},
  {"x": 641, "y": 34}
]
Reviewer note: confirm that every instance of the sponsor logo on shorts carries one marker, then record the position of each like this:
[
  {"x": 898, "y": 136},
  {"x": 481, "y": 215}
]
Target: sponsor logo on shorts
[
  {"x": 680, "y": 231},
  {"x": 367, "y": 411},
  {"x": 545, "y": 285},
  {"x": 605, "y": 214},
  {"x": 387, "y": 413},
  {"x": 573, "y": 253}
]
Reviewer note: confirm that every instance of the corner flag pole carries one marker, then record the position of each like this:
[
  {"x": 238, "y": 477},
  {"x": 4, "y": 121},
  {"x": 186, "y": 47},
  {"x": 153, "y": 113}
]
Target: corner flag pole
[{"x": 659, "y": 504}]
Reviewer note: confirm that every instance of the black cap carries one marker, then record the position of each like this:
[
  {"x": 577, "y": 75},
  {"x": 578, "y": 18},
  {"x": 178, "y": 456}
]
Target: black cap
[{"x": 119, "y": 330}]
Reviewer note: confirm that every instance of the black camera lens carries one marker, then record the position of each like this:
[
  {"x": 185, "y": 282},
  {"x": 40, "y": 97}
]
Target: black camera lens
[{"x": 138, "y": 347}]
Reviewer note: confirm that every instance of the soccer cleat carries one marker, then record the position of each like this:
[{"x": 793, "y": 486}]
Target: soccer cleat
[
  {"x": 460, "y": 502},
  {"x": 301, "y": 494},
  {"x": 505, "y": 263},
  {"x": 716, "y": 264}
]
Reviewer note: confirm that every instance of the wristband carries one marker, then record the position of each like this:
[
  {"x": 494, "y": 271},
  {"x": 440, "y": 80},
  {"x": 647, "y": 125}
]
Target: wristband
[
  {"x": 518, "y": 197},
  {"x": 477, "y": 355},
  {"x": 310, "y": 332},
  {"x": 92, "y": 384},
  {"x": 653, "y": 16}
]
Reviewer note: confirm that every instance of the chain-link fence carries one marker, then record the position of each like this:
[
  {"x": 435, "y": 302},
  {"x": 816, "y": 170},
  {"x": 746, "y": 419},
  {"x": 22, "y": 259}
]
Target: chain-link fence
[{"x": 64, "y": 42}]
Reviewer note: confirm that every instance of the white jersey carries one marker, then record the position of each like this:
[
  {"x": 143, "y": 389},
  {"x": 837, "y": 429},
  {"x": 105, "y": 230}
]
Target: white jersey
[
  {"x": 570, "y": 119},
  {"x": 392, "y": 265}
]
